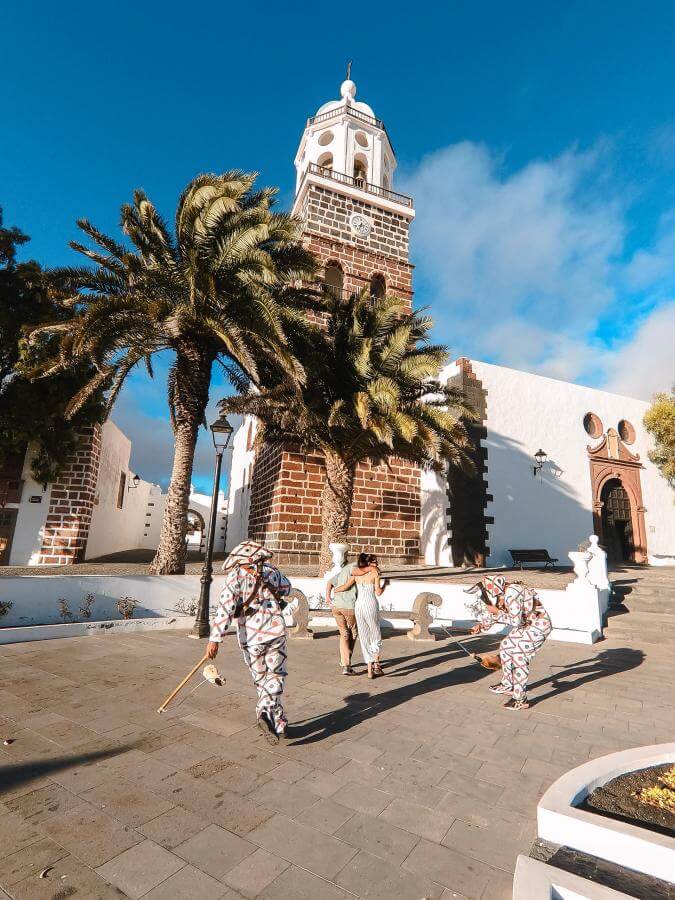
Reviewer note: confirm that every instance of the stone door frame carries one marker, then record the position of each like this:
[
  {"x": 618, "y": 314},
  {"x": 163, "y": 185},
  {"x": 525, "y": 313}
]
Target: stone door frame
[{"x": 625, "y": 468}]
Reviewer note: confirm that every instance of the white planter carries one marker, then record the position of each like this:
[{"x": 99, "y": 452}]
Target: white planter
[
  {"x": 559, "y": 821},
  {"x": 535, "y": 880}
]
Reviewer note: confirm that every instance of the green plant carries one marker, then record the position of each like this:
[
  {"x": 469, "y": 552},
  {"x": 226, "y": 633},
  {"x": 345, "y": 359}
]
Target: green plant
[
  {"x": 126, "y": 606},
  {"x": 659, "y": 421},
  {"x": 5, "y": 606},
  {"x": 371, "y": 393},
  {"x": 64, "y": 610},
  {"x": 87, "y": 603},
  {"x": 218, "y": 290}
]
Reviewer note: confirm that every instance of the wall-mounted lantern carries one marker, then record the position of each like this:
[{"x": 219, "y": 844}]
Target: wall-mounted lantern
[
  {"x": 540, "y": 458},
  {"x": 135, "y": 481}
]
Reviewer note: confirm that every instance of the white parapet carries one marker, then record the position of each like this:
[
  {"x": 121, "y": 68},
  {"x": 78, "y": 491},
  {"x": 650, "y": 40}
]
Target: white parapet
[{"x": 561, "y": 822}]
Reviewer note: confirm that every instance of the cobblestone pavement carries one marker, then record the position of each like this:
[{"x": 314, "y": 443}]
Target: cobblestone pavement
[{"x": 414, "y": 785}]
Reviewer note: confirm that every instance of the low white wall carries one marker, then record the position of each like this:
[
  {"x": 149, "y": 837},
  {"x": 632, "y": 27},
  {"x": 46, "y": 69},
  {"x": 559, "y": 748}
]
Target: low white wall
[{"x": 35, "y": 600}]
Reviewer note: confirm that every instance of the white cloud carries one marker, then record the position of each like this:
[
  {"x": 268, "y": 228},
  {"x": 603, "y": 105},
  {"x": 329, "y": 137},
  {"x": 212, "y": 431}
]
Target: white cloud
[
  {"x": 646, "y": 363},
  {"x": 526, "y": 267}
]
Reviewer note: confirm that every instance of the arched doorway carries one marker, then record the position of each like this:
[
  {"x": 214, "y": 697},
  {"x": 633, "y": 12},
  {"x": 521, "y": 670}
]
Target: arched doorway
[
  {"x": 617, "y": 528},
  {"x": 196, "y": 531},
  {"x": 618, "y": 510}
]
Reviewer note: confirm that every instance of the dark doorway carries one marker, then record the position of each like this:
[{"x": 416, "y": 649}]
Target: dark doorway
[
  {"x": 7, "y": 524},
  {"x": 617, "y": 529}
]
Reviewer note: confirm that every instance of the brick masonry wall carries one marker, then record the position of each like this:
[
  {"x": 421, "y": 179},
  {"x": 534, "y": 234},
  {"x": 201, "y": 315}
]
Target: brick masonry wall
[
  {"x": 286, "y": 507},
  {"x": 71, "y": 503},
  {"x": 468, "y": 494},
  {"x": 286, "y": 484}
]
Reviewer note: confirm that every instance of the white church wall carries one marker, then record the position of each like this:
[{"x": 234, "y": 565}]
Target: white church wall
[
  {"x": 114, "y": 528},
  {"x": 435, "y": 536},
  {"x": 31, "y": 517},
  {"x": 527, "y": 412},
  {"x": 241, "y": 469}
]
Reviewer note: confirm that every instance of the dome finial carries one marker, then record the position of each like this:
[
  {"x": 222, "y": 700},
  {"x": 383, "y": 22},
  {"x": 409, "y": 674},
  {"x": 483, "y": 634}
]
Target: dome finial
[{"x": 348, "y": 88}]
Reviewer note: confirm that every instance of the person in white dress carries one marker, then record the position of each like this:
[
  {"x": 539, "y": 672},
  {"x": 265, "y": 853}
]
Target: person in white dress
[{"x": 369, "y": 586}]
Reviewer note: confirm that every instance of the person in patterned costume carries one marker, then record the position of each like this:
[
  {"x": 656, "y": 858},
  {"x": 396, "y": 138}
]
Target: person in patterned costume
[
  {"x": 519, "y": 607},
  {"x": 253, "y": 594}
]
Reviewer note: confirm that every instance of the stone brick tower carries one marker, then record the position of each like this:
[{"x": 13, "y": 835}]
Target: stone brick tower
[{"x": 358, "y": 227}]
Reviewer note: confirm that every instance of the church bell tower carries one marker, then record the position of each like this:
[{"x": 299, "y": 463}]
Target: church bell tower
[
  {"x": 355, "y": 222},
  {"x": 357, "y": 225}
]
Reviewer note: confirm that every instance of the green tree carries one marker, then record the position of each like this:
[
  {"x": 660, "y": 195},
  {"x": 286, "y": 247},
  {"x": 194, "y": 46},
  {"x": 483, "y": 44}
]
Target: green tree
[
  {"x": 220, "y": 290},
  {"x": 34, "y": 412},
  {"x": 371, "y": 393},
  {"x": 659, "y": 421}
]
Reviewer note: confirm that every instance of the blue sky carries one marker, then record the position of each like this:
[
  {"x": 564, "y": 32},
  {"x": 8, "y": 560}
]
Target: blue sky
[{"x": 538, "y": 141}]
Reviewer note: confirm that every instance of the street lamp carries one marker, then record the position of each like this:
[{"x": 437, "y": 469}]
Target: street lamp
[
  {"x": 540, "y": 458},
  {"x": 221, "y": 432}
]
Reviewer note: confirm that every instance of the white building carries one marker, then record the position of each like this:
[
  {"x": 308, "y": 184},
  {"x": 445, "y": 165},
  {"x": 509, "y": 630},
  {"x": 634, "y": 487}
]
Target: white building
[
  {"x": 596, "y": 475},
  {"x": 99, "y": 507}
]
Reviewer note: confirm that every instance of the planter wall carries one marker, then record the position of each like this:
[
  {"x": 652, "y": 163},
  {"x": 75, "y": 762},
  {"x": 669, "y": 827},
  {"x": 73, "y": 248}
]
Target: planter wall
[{"x": 560, "y": 822}]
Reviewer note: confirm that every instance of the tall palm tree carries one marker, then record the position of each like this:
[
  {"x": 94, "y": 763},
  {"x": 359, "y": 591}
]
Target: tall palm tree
[
  {"x": 371, "y": 392},
  {"x": 221, "y": 289}
]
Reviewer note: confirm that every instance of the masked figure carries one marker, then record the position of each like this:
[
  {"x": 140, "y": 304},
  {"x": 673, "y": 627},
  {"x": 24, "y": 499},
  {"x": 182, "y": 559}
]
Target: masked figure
[
  {"x": 519, "y": 607},
  {"x": 253, "y": 594}
]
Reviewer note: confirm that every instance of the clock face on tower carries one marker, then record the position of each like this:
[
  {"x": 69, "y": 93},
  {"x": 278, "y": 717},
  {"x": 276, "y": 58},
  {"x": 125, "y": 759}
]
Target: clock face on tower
[{"x": 360, "y": 225}]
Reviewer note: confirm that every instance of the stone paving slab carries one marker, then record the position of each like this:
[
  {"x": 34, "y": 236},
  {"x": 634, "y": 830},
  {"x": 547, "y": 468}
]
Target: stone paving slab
[{"x": 418, "y": 784}]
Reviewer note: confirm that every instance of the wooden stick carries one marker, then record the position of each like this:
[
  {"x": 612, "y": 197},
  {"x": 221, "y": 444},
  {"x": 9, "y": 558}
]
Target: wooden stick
[{"x": 182, "y": 684}]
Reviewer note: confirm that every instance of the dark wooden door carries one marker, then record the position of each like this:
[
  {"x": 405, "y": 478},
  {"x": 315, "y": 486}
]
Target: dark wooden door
[
  {"x": 7, "y": 525},
  {"x": 616, "y": 521}
]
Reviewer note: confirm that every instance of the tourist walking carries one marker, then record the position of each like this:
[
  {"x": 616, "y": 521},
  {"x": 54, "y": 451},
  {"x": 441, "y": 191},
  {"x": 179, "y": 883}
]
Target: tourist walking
[
  {"x": 521, "y": 608},
  {"x": 369, "y": 586},
  {"x": 345, "y": 615},
  {"x": 253, "y": 594}
]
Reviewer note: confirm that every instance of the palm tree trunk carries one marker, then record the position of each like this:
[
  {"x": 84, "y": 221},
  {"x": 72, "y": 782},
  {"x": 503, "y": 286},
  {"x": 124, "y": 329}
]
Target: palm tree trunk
[
  {"x": 336, "y": 503},
  {"x": 191, "y": 394}
]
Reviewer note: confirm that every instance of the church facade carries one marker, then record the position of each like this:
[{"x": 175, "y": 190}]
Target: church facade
[{"x": 594, "y": 475}]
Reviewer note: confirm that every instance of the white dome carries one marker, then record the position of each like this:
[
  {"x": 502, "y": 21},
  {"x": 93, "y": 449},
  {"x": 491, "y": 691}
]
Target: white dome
[{"x": 347, "y": 92}]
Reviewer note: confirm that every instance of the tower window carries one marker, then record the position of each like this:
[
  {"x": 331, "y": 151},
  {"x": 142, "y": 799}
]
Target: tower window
[
  {"x": 326, "y": 161},
  {"x": 361, "y": 139},
  {"x": 378, "y": 287},
  {"x": 325, "y": 138},
  {"x": 334, "y": 278},
  {"x": 360, "y": 171}
]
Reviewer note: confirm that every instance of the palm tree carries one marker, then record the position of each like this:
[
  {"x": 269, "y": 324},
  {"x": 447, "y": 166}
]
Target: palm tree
[
  {"x": 371, "y": 393},
  {"x": 220, "y": 290}
]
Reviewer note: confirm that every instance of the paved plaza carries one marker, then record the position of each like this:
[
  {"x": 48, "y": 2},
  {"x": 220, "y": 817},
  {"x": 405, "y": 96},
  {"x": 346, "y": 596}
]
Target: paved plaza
[{"x": 416, "y": 785}]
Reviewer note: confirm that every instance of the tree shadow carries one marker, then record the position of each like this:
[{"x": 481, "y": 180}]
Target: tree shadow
[
  {"x": 606, "y": 663},
  {"x": 14, "y": 775},
  {"x": 363, "y": 706}
]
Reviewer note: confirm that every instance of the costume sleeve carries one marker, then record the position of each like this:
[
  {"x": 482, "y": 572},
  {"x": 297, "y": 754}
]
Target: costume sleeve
[
  {"x": 513, "y": 614},
  {"x": 229, "y": 597}
]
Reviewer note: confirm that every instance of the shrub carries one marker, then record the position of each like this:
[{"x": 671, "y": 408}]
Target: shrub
[
  {"x": 64, "y": 610},
  {"x": 87, "y": 603},
  {"x": 126, "y": 607},
  {"x": 5, "y": 606}
]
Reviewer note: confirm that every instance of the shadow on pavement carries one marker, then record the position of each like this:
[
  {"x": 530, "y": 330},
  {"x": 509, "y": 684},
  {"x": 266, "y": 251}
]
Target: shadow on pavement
[{"x": 15, "y": 775}]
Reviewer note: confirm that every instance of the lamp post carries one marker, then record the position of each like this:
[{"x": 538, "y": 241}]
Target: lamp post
[
  {"x": 540, "y": 458},
  {"x": 221, "y": 432}
]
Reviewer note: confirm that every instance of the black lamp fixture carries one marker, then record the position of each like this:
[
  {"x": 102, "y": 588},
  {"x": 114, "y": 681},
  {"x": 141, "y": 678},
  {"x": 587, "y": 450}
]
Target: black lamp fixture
[
  {"x": 135, "y": 481},
  {"x": 221, "y": 432},
  {"x": 540, "y": 458}
]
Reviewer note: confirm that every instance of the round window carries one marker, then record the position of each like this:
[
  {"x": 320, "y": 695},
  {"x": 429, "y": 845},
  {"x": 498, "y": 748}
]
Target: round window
[
  {"x": 361, "y": 139},
  {"x": 325, "y": 138},
  {"x": 593, "y": 425},
  {"x": 626, "y": 431}
]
